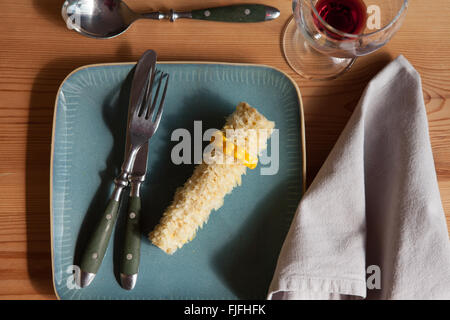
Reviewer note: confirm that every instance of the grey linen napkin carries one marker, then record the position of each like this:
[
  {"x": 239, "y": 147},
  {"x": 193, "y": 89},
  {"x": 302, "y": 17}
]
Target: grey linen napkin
[{"x": 374, "y": 204}]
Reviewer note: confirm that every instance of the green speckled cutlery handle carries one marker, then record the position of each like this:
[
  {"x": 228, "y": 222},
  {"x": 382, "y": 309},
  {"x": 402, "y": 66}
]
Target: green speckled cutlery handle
[
  {"x": 129, "y": 264},
  {"x": 234, "y": 13},
  {"x": 98, "y": 243}
]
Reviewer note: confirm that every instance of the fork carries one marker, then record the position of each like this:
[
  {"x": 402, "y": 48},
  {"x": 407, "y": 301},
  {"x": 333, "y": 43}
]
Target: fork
[
  {"x": 142, "y": 126},
  {"x": 144, "y": 122}
]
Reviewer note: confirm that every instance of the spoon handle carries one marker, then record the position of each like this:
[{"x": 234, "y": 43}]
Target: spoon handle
[
  {"x": 157, "y": 15},
  {"x": 237, "y": 13},
  {"x": 233, "y": 13}
]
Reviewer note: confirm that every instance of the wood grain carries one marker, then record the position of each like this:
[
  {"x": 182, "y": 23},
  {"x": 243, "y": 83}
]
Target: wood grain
[{"x": 37, "y": 52}]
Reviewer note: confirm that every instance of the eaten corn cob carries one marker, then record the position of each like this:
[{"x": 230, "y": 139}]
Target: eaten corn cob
[{"x": 210, "y": 183}]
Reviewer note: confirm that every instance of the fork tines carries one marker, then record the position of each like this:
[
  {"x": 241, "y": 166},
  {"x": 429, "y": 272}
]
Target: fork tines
[{"x": 149, "y": 103}]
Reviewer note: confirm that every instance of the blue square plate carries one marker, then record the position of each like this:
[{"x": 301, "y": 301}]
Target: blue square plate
[{"x": 234, "y": 255}]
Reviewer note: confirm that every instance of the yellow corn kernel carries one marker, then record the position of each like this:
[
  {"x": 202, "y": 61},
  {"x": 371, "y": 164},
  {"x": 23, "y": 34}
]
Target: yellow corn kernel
[{"x": 237, "y": 152}]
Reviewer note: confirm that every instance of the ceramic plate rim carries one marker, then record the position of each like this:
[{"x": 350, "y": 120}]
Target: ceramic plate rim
[{"x": 302, "y": 127}]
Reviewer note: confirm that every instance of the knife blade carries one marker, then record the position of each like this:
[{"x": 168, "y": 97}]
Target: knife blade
[{"x": 98, "y": 242}]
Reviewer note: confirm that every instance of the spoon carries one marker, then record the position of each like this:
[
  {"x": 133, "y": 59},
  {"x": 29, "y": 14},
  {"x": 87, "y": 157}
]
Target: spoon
[{"x": 104, "y": 19}]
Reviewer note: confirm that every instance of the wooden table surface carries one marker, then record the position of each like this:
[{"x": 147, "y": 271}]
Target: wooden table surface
[{"x": 37, "y": 52}]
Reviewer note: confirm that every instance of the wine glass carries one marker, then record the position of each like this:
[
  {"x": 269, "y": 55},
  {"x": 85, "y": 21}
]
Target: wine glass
[{"x": 324, "y": 37}]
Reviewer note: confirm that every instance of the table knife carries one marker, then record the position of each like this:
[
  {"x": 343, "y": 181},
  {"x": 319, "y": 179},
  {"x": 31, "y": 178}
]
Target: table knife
[
  {"x": 130, "y": 255},
  {"x": 98, "y": 243}
]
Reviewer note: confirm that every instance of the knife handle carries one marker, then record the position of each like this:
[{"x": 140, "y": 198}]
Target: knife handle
[
  {"x": 98, "y": 243},
  {"x": 237, "y": 13},
  {"x": 129, "y": 260}
]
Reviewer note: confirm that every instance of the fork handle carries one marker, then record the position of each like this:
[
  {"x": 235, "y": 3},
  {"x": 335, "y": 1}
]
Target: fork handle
[{"x": 98, "y": 243}]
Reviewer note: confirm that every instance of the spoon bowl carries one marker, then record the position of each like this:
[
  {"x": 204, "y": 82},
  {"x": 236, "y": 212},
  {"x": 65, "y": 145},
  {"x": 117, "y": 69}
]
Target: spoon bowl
[{"x": 98, "y": 19}]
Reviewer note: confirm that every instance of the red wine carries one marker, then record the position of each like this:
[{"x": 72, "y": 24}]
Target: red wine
[{"x": 345, "y": 15}]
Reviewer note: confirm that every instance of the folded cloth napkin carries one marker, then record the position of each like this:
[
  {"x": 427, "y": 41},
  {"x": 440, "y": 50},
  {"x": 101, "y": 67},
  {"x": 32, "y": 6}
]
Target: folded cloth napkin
[{"x": 372, "y": 225}]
